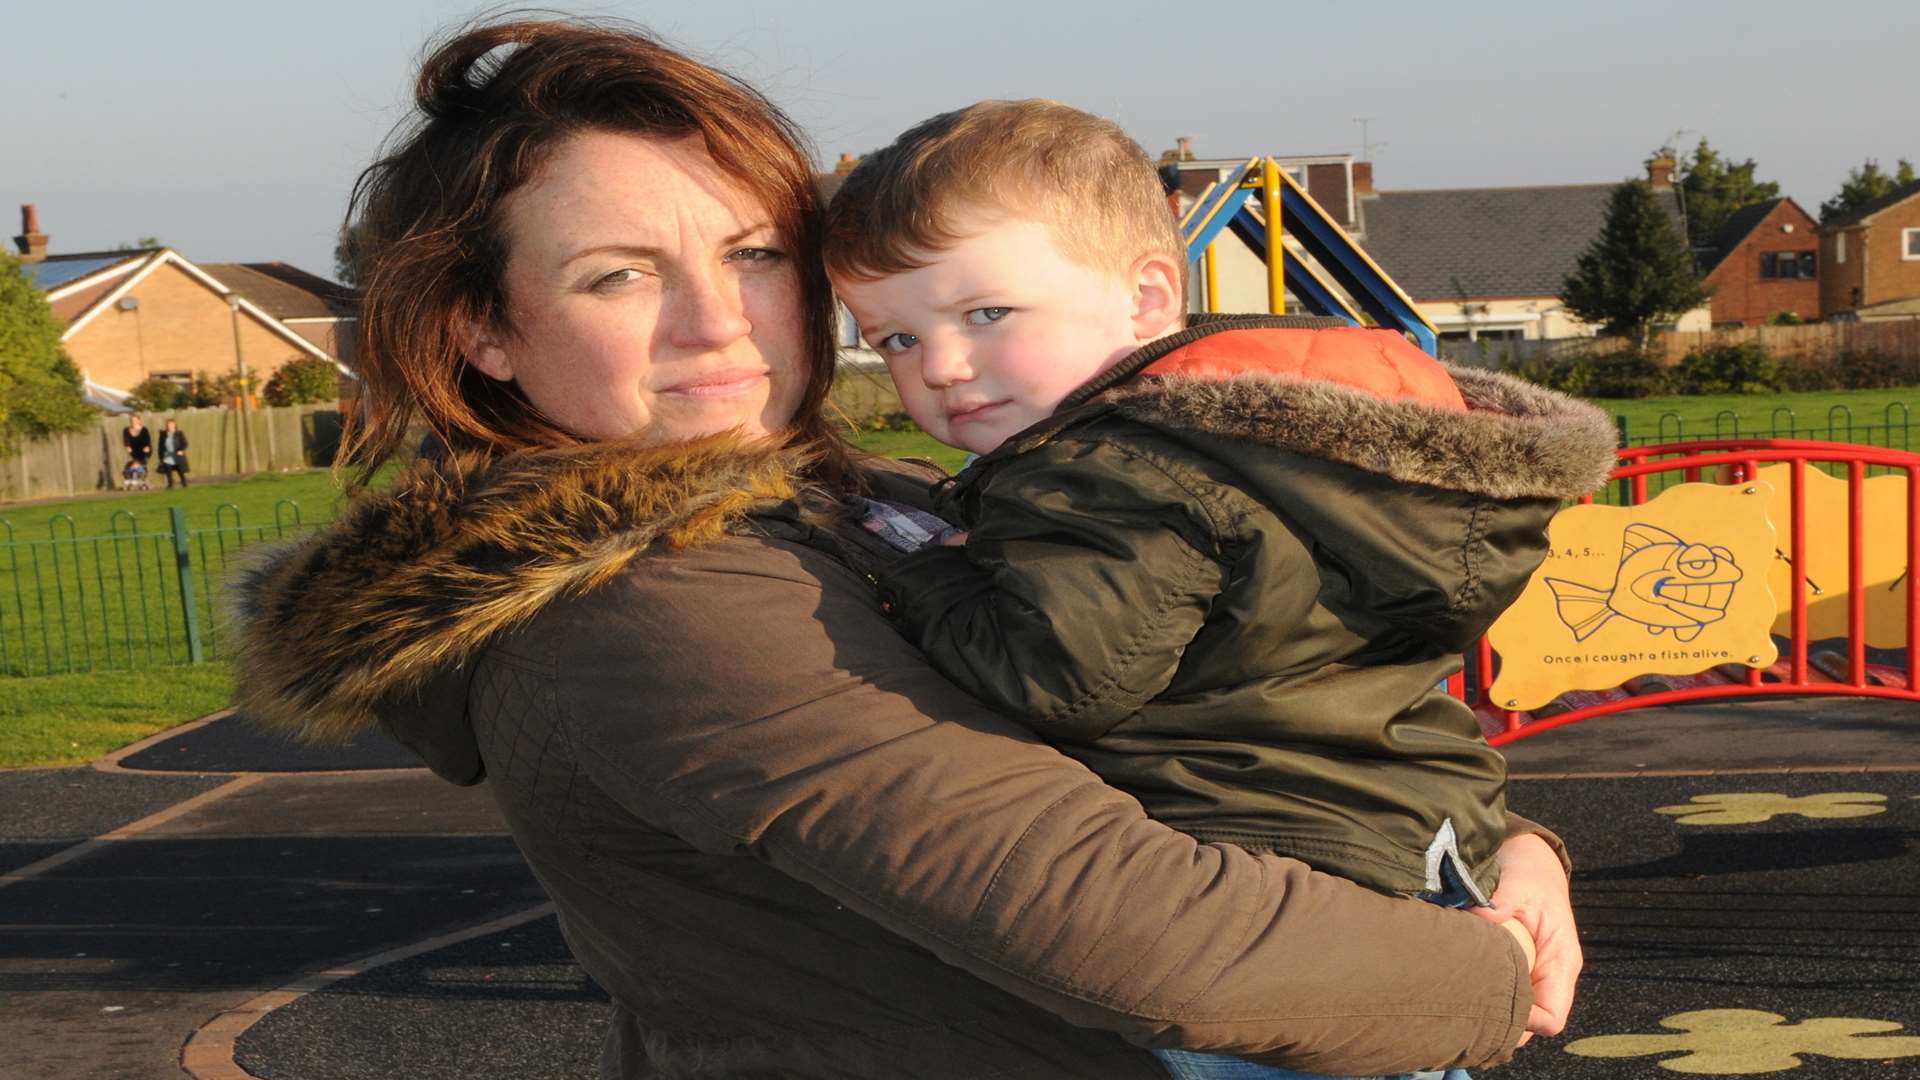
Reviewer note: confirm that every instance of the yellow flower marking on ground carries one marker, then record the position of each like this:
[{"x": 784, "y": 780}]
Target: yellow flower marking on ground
[
  {"x": 1749, "y": 807},
  {"x": 1727, "y": 1042}
]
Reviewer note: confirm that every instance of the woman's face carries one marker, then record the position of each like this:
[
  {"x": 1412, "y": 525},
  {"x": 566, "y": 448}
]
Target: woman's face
[{"x": 646, "y": 292}]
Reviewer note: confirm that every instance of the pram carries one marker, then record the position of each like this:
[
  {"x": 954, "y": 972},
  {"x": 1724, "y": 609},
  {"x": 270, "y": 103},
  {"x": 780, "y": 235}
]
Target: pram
[{"x": 134, "y": 477}]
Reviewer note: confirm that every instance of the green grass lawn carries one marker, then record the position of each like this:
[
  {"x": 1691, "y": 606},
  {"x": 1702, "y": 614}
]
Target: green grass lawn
[
  {"x": 67, "y": 719},
  {"x": 254, "y": 499},
  {"x": 93, "y": 583},
  {"x": 1837, "y": 415},
  {"x": 914, "y": 444}
]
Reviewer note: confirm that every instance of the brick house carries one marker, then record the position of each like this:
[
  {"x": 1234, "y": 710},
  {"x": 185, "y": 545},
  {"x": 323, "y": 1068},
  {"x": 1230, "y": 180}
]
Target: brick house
[
  {"x": 1871, "y": 259},
  {"x": 133, "y": 315},
  {"x": 1763, "y": 261}
]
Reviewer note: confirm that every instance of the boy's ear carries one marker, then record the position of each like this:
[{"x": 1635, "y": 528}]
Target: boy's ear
[
  {"x": 1158, "y": 301},
  {"x": 482, "y": 347}
]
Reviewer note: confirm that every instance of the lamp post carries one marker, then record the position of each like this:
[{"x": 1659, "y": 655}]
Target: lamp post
[{"x": 240, "y": 367}]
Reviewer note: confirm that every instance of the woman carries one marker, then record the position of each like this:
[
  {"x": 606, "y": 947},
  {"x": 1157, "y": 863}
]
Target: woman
[
  {"x": 621, "y": 589},
  {"x": 173, "y": 453}
]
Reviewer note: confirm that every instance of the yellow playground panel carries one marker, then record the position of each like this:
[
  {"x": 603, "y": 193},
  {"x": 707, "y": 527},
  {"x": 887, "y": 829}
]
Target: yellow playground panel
[
  {"x": 1673, "y": 586},
  {"x": 1770, "y": 577}
]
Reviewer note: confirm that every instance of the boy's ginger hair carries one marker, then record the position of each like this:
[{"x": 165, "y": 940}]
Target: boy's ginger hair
[{"x": 1095, "y": 189}]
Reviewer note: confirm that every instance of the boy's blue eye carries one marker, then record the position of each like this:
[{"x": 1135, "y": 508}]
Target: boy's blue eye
[
  {"x": 898, "y": 343},
  {"x": 984, "y": 315}
]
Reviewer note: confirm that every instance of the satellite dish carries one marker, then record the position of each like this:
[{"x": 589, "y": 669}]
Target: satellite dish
[{"x": 128, "y": 303}]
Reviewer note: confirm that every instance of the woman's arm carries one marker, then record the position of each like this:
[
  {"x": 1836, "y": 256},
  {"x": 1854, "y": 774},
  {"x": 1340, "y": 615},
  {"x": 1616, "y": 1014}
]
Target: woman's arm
[{"x": 750, "y": 698}]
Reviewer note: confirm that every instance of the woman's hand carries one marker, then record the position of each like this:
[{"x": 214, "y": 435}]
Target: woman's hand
[{"x": 1533, "y": 890}]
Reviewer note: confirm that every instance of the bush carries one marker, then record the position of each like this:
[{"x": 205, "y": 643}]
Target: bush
[
  {"x": 1626, "y": 374},
  {"x": 155, "y": 394},
  {"x": 299, "y": 382},
  {"x": 1872, "y": 370},
  {"x": 207, "y": 392},
  {"x": 1745, "y": 368},
  {"x": 1569, "y": 374},
  {"x": 1802, "y": 373},
  {"x": 1786, "y": 318}
]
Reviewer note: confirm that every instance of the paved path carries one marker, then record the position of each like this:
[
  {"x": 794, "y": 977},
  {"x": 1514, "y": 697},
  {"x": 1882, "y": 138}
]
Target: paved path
[{"x": 1735, "y": 861}]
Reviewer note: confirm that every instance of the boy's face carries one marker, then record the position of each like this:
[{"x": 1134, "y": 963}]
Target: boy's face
[{"x": 994, "y": 332}]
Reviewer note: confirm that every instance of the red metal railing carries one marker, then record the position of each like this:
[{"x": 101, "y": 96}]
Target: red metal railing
[{"x": 1737, "y": 461}]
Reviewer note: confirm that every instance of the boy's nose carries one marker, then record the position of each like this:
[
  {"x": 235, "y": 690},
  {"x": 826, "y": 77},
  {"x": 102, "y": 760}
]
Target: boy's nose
[{"x": 942, "y": 364}]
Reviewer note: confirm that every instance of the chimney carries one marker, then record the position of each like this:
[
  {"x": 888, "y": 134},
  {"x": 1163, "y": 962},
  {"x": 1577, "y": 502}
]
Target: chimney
[
  {"x": 1363, "y": 178},
  {"x": 31, "y": 241},
  {"x": 1184, "y": 145},
  {"x": 1660, "y": 170},
  {"x": 845, "y": 164}
]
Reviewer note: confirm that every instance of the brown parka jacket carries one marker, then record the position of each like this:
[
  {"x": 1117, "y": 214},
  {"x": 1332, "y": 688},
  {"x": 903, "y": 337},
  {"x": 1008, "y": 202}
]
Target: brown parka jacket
[{"x": 781, "y": 841}]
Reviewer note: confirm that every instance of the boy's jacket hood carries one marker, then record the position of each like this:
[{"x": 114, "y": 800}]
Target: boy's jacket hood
[
  {"x": 416, "y": 577},
  {"x": 1514, "y": 439}
]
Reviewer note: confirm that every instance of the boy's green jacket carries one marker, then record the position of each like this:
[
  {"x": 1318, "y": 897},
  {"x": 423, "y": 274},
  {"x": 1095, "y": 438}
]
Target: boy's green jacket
[{"x": 1236, "y": 598}]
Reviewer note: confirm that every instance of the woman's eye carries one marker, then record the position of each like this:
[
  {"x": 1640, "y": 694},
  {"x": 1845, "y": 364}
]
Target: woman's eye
[
  {"x": 757, "y": 255},
  {"x": 616, "y": 279},
  {"x": 981, "y": 316},
  {"x": 898, "y": 343}
]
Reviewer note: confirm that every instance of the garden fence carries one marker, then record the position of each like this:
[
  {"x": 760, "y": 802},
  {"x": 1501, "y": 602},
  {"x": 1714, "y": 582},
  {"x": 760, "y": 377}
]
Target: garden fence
[{"x": 284, "y": 437}]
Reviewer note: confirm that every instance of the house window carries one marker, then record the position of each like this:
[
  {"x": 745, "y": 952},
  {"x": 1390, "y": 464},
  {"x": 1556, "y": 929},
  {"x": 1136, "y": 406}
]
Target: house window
[
  {"x": 1780, "y": 265},
  {"x": 1910, "y": 244},
  {"x": 1839, "y": 247}
]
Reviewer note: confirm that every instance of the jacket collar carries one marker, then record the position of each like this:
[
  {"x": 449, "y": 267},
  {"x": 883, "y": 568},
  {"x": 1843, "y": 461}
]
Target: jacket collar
[{"x": 416, "y": 577}]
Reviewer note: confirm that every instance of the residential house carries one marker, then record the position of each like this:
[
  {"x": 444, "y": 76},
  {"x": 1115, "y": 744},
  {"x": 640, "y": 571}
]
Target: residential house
[
  {"x": 1489, "y": 263},
  {"x": 1764, "y": 261},
  {"x": 1871, "y": 259},
  {"x": 133, "y": 315}
]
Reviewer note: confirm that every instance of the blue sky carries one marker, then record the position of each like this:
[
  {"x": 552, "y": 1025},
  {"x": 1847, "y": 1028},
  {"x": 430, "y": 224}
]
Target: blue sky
[{"x": 233, "y": 130}]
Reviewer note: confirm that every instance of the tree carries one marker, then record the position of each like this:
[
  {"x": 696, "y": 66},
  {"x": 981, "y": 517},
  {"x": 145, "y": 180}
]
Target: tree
[
  {"x": 349, "y": 248},
  {"x": 156, "y": 393},
  {"x": 1864, "y": 185},
  {"x": 1637, "y": 271},
  {"x": 140, "y": 244},
  {"x": 1714, "y": 187},
  {"x": 40, "y": 390},
  {"x": 307, "y": 379}
]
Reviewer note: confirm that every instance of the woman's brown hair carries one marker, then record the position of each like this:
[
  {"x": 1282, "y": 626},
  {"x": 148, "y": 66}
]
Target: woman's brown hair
[{"x": 493, "y": 102}]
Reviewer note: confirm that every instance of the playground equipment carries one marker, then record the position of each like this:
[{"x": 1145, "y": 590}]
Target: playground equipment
[
  {"x": 1785, "y": 581},
  {"x": 1262, "y": 205},
  {"x": 1845, "y": 619}
]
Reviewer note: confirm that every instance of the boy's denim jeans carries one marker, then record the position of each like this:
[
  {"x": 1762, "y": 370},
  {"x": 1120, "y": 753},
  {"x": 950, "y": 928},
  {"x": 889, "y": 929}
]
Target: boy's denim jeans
[
  {"x": 1187, "y": 1065},
  {"x": 1190, "y": 1065}
]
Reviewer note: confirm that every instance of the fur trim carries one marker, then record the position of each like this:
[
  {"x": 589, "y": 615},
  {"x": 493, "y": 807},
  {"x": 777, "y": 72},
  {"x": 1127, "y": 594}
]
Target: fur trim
[
  {"x": 418, "y": 576},
  {"x": 1516, "y": 440}
]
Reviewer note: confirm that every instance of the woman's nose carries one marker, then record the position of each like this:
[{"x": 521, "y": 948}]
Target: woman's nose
[{"x": 709, "y": 314}]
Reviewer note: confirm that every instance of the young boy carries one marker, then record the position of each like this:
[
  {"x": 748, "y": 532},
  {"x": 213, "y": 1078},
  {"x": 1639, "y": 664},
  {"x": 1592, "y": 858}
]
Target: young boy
[{"x": 1226, "y": 562}]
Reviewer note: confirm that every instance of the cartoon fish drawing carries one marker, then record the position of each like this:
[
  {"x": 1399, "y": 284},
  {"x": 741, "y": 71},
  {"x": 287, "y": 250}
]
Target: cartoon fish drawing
[{"x": 1664, "y": 583}]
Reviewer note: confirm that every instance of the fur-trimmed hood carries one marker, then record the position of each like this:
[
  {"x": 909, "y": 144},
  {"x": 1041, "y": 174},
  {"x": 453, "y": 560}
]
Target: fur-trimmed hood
[
  {"x": 419, "y": 575},
  {"x": 1515, "y": 439},
  {"x": 1366, "y": 398}
]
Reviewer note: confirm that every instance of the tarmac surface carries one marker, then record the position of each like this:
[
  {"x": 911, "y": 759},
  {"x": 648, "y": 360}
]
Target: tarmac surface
[{"x": 1747, "y": 885}]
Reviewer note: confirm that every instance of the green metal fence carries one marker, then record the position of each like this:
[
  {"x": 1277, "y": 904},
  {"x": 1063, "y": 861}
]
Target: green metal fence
[
  {"x": 1893, "y": 432},
  {"x": 143, "y": 595}
]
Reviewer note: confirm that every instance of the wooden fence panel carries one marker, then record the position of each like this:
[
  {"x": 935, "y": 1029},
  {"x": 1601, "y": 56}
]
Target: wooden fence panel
[{"x": 288, "y": 437}]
